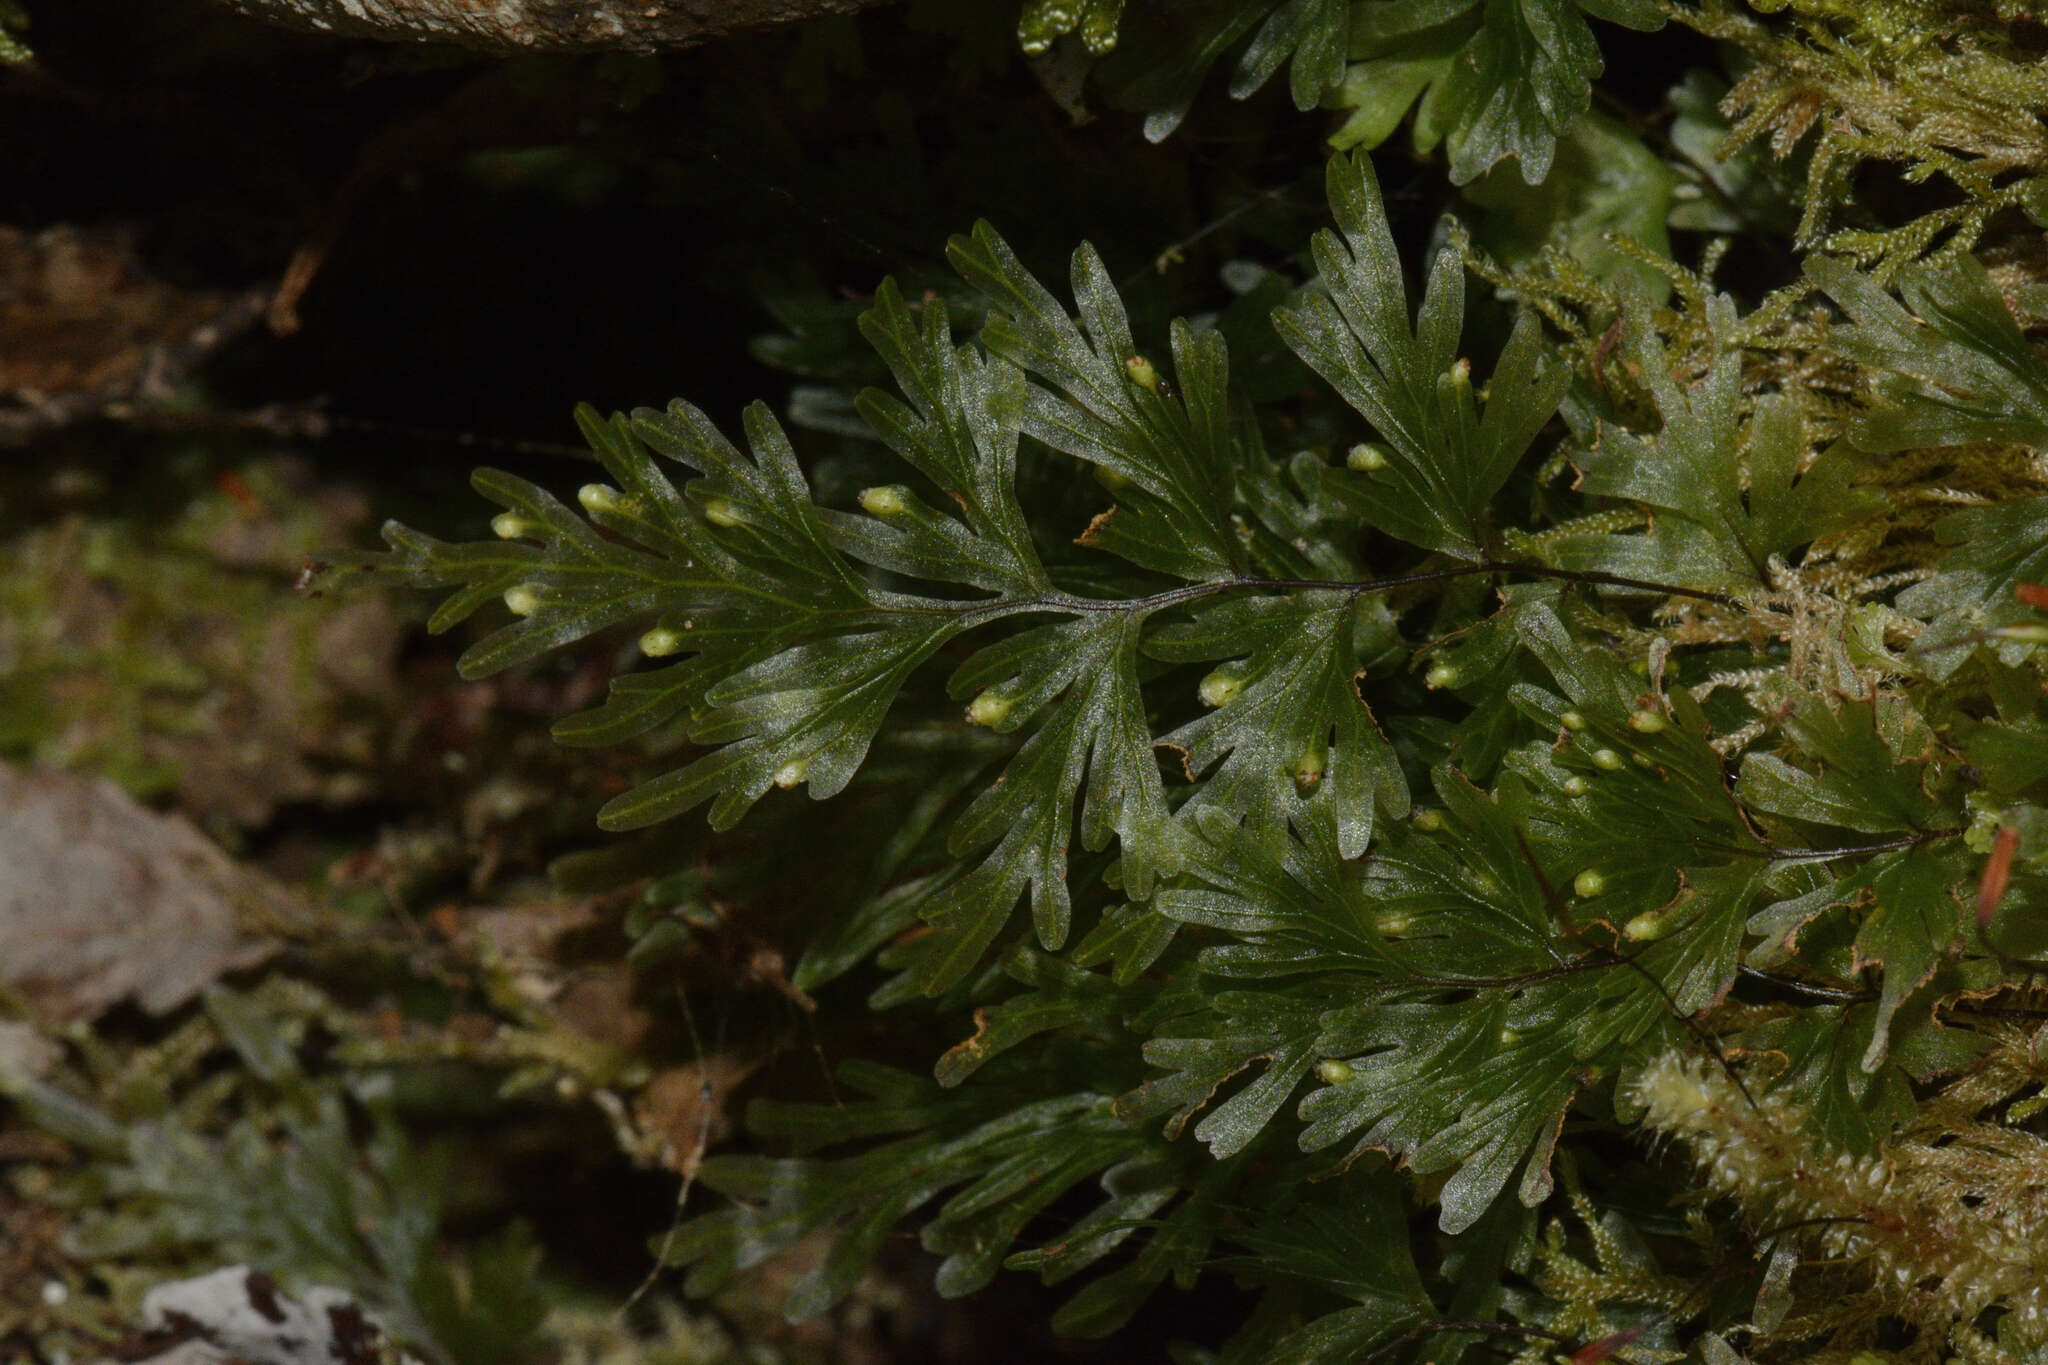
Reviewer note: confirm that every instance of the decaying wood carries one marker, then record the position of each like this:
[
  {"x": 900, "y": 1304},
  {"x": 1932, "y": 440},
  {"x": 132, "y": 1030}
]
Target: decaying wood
[{"x": 539, "y": 25}]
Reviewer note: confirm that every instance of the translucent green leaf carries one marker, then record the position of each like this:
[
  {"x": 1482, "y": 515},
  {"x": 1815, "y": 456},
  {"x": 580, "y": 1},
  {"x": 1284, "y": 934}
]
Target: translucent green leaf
[
  {"x": 1957, "y": 368},
  {"x": 1466, "y": 897},
  {"x": 1061, "y": 997},
  {"x": 1913, "y": 923},
  {"x": 1350, "y": 1240},
  {"x": 759, "y": 510},
  {"x": 1096, "y": 730},
  {"x": 1651, "y": 790},
  {"x": 1005, "y": 1157},
  {"x": 1605, "y": 182},
  {"x": 1445, "y": 456},
  {"x": 1853, "y": 1109},
  {"x": 1287, "y": 726},
  {"x": 1876, "y": 762},
  {"x": 975, "y": 1228},
  {"x": 1287, "y": 909},
  {"x": 638, "y": 703},
  {"x": 959, "y": 429},
  {"x": 1990, "y": 552},
  {"x": 1099, "y": 400},
  {"x": 868, "y": 1194},
  {"x": 1496, "y": 78},
  {"x": 796, "y": 652},
  {"x": 1129, "y": 937},
  {"x": 1312, "y": 35},
  {"x": 1164, "y": 56},
  {"x": 1521, "y": 81},
  {"x": 1134, "y": 1191},
  {"x": 1379, "y": 92},
  {"x": 1719, "y": 529},
  {"x": 1477, "y": 1087},
  {"x": 805, "y": 715},
  {"x": 1177, "y": 1245},
  {"x": 1694, "y": 952},
  {"x": 1909, "y": 923},
  {"x": 1273, "y": 1032},
  {"x": 2012, "y": 755}
]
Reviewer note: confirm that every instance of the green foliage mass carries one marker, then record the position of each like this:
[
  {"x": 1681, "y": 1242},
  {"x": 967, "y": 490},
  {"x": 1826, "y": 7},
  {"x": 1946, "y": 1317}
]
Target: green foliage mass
[
  {"x": 1338, "y": 832},
  {"x": 1487, "y": 80},
  {"x": 1459, "y": 823}
]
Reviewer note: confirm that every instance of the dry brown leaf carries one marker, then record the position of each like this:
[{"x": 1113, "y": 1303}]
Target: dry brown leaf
[
  {"x": 685, "y": 1108},
  {"x": 524, "y": 935},
  {"x": 598, "y": 1003},
  {"x": 24, "y": 1051},
  {"x": 536, "y": 941},
  {"x": 102, "y": 899}
]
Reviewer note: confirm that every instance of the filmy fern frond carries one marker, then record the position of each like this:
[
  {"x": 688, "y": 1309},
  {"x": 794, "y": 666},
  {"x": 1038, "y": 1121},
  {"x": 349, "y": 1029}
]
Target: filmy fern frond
[
  {"x": 1446, "y": 454},
  {"x": 1257, "y": 943},
  {"x": 795, "y": 628}
]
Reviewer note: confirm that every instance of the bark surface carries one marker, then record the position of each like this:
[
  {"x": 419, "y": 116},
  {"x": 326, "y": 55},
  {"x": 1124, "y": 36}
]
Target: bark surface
[{"x": 541, "y": 25}]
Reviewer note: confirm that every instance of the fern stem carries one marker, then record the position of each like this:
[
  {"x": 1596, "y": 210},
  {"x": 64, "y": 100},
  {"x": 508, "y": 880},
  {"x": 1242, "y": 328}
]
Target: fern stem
[{"x": 1194, "y": 592}]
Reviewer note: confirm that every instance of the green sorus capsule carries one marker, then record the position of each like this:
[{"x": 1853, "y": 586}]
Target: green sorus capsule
[
  {"x": 1572, "y": 721},
  {"x": 1143, "y": 372},
  {"x": 1576, "y": 785},
  {"x": 1645, "y": 721},
  {"x": 1441, "y": 675},
  {"x": 1427, "y": 820},
  {"x": 1041, "y": 22},
  {"x": 660, "y": 642},
  {"x": 511, "y": 526},
  {"x": 1334, "y": 1071},
  {"x": 989, "y": 708},
  {"x": 1588, "y": 884},
  {"x": 889, "y": 500},
  {"x": 1308, "y": 769},
  {"x": 1647, "y": 927},
  {"x": 1221, "y": 687},
  {"x": 1099, "y": 26},
  {"x": 598, "y": 498},
  {"x": 523, "y": 600},
  {"x": 1367, "y": 457},
  {"x": 792, "y": 773},
  {"x": 1607, "y": 760},
  {"x": 721, "y": 512}
]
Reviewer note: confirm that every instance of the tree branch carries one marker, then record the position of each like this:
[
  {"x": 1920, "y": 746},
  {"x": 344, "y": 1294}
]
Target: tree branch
[{"x": 541, "y": 25}]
